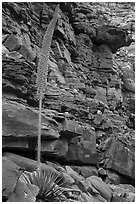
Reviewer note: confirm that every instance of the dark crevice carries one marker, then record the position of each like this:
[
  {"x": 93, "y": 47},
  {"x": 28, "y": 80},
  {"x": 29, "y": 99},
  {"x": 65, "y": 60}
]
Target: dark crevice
[
  {"x": 129, "y": 179},
  {"x": 45, "y": 156}
]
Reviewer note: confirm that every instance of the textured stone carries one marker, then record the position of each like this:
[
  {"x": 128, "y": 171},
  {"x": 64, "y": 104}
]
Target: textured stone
[
  {"x": 101, "y": 187},
  {"x": 5, "y": 50},
  {"x": 114, "y": 178},
  {"x": 102, "y": 172},
  {"x": 55, "y": 74},
  {"x": 84, "y": 185},
  {"x": 101, "y": 95},
  {"x": 65, "y": 30},
  {"x": 4, "y": 37},
  {"x": 85, "y": 78},
  {"x": 129, "y": 84},
  {"x": 123, "y": 192},
  {"x": 27, "y": 52},
  {"x": 18, "y": 79},
  {"x": 113, "y": 121},
  {"x": 123, "y": 158},
  {"x": 68, "y": 179},
  {"x": 12, "y": 43},
  {"x": 87, "y": 198},
  {"x": 98, "y": 119},
  {"x": 86, "y": 171},
  {"x": 74, "y": 174},
  {"x": 71, "y": 129},
  {"x": 81, "y": 150},
  {"x": 27, "y": 164},
  {"x": 113, "y": 97},
  {"x": 21, "y": 121},
  {"x": 10, "y": 174},
  {"x": 115, "y": 37},
  {"x": 24, "y": 192}
]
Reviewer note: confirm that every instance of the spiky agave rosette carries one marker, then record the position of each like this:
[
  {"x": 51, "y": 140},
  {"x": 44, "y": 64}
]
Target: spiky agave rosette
[
  {"x": 49, "y": 184},
  {"x": 42, "y": 73}
]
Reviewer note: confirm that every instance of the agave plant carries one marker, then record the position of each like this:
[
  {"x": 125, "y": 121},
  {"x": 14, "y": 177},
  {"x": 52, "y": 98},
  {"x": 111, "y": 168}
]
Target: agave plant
[
  {"x": 43, "y": 71},
  {"x": 50, "y": 185}
]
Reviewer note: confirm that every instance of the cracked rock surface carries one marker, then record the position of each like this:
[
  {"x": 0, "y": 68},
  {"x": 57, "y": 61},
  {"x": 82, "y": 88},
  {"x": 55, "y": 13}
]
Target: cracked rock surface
[{"x": 88, "y": 113}]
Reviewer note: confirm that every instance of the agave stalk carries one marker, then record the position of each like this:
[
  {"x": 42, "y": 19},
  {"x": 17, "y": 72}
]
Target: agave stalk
[{"x": 42, "y": 73}]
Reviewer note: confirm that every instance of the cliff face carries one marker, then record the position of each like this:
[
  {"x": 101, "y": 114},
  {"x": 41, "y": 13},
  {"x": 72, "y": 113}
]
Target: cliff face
[{"x": 89, "y": 105}]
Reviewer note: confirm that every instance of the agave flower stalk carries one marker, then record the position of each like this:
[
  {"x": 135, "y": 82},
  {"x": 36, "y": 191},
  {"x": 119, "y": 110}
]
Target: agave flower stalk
[{"x": 42, "y": 72}]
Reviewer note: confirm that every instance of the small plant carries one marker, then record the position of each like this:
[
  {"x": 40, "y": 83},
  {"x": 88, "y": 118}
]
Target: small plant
[
  {"x": 42, "y": 72},
  {"x": 49, "y": 184}
]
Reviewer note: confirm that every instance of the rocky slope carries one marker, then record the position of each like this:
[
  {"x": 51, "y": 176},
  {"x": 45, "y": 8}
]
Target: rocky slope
[{"x": 88, "y": 119}]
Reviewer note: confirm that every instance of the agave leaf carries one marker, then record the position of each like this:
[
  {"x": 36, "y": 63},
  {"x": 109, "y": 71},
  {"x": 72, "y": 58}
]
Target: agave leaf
[{"x": 49, "y": 184}]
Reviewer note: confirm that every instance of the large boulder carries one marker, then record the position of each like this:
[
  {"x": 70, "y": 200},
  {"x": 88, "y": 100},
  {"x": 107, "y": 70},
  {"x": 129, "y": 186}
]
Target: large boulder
[
  {"x": 27, "y": 164},
  {"x": 83, "y": 150},
  {"x": 101, "y": 187},
  {"x": 12, "y": 43},
  {"x": 123, "y": 193},
  {"x": 20, "y": 121},
  {"x": 86, "y": 171},
  {"x": 114, "y": 178},
  {"x": 10, "y": 174},
  {"x": 120, "y": 157},
  {"x": 70, "y": 128},
  {"x": 114, "y": 37},
  {"x": 27, "y": 52},
  {"x": 61, "y": 136}
]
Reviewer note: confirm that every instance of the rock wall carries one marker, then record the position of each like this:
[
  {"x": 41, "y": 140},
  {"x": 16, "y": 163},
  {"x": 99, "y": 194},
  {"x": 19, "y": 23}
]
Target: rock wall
[{"x": 88, "y": 116}]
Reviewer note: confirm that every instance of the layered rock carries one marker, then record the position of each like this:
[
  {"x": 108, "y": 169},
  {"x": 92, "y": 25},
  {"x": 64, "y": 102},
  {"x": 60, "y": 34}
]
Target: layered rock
[
  {"x": 61, "y": 136},
  {"x": 88, "y": 115}
]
